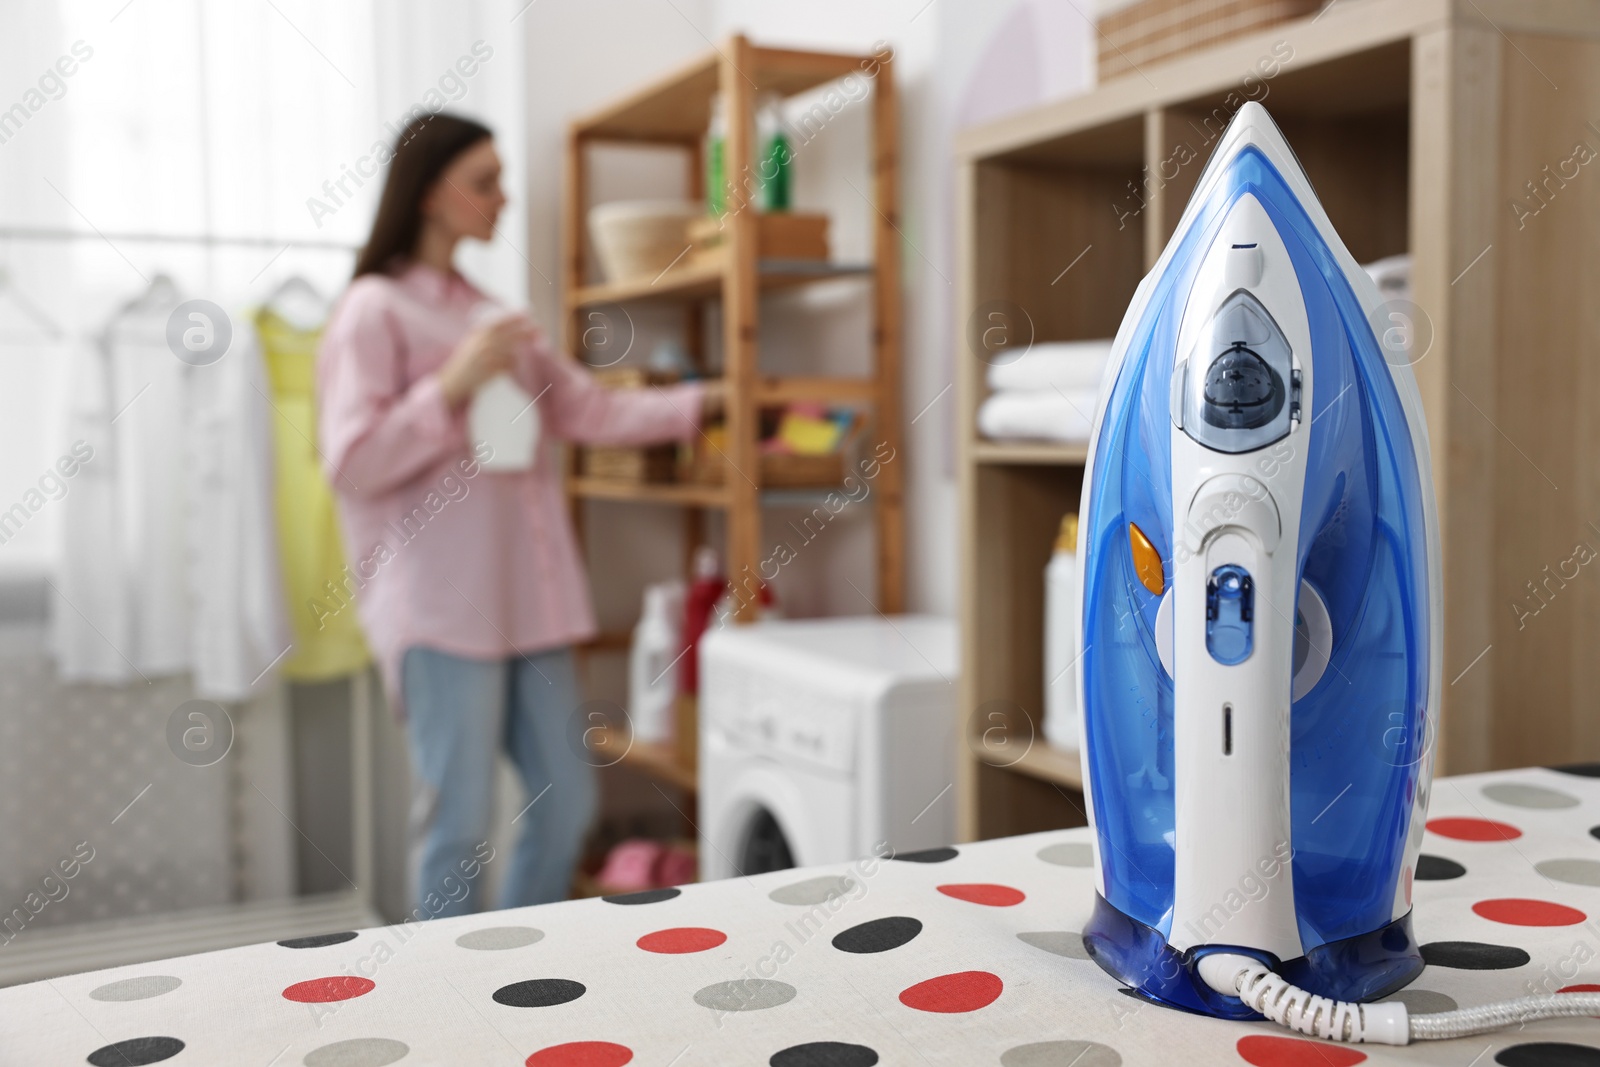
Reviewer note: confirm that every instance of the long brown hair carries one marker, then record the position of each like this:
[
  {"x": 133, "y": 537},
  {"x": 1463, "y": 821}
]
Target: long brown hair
[{"x": 425, "y": 148}]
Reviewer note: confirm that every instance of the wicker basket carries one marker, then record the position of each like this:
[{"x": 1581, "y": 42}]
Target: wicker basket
[
  {"x": 658, "y": 463},
  {"x": 705, "y": 461},
  {"x": 641, "y": 238},
  {"x": 1151, "y": 30}
]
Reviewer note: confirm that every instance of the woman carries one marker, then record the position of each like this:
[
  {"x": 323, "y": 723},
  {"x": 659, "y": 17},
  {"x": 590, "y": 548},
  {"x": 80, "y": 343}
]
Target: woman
[{"x": 468, "y": 580}]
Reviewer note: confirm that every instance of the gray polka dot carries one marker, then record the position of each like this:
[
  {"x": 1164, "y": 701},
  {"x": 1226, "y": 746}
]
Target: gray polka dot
[
  {"x": 496, "y": 937},
  {"x": 1574, "y": 872},
  {"x": 1422, "y": 1000},
  {"x": 746, "y": 994},
  {"x": 1061, "y": 1054},
  {"x": 141, "y": 988},
  {"x": 1067, "y": 854},
  {"x": 1519, "y": 795},
  {"x": 1067, "y": 943},
  {"x": 357, "y": 1052},
  {"x": 813, "y": 890}
]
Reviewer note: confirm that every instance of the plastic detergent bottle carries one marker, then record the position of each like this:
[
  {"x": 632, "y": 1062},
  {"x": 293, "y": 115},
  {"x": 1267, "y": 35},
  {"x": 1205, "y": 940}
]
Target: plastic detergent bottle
[
  {"x": 1060, "y": 676},
  {"x": 775, "y": 154},
  {"x": 700, "y": 604},
  {"x": 716, "y": 153},
  {"x": 653, "y": 662}
]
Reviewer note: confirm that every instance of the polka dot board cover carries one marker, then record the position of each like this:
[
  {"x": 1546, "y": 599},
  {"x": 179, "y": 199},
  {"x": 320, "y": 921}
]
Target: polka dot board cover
[{"x": 966, "y": 956}]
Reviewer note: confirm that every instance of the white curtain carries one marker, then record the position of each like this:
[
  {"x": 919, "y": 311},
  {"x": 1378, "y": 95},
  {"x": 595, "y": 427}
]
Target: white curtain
[
  {"x": 184, "y": 118},
  {"x": 141, "y": 124}
]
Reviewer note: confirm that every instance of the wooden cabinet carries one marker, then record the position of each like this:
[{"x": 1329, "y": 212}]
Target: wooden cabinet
[{"x": 1463, "y": 133}]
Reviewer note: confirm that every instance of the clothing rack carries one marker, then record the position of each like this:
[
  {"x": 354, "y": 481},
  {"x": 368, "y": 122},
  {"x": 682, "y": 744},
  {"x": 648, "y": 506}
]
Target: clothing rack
[
  {"x": 360, "y": 901},
  {"x": 37, "y": 233}
]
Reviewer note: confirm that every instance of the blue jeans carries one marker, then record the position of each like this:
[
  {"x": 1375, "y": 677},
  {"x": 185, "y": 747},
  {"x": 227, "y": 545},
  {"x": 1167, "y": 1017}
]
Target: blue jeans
[{"x": 461, "y": 713}]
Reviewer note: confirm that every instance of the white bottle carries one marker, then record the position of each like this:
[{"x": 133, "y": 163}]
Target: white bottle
[
  {"x": 652, "y": 670},
  {"x": 501, "y": 414},
  {"x": 1060, "y": 651}
]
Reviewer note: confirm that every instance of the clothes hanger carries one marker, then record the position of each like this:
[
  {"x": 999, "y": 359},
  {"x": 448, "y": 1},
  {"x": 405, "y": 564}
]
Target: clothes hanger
[
  {"x": 160, "y": 295},
  {"x": 299, "y": 303}
]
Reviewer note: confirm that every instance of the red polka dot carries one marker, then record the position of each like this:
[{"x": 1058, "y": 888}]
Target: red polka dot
[
  {"x": 1264, "y": 1051},
  {"x": 996, "y": 896},
  {"x": 962, "y": 991},
  {"x": 582, "y": 1054},
  {"x": 1516, "y": 912},
  {"x": 682, "y": 939},
  {"x": 1474, "y": 829},
  {"x": 324, "y": 990}
]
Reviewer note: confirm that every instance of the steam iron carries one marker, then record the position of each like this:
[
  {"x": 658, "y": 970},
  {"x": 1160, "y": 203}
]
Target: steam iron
[{"x": 1260, "y": 621}]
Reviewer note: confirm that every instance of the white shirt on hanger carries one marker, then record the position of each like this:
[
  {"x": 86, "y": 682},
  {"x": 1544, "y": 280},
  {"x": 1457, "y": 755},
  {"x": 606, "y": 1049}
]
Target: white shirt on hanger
[{"x": 169, "y": 555}]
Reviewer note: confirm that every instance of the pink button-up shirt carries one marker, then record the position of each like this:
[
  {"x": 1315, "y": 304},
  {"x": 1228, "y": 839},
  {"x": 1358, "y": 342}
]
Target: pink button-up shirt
[{"x": 441, "y": 552}]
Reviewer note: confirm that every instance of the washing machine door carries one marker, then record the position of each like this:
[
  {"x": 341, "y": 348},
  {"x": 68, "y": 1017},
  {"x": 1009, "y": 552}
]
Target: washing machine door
[{"x": 771, "y": 818}]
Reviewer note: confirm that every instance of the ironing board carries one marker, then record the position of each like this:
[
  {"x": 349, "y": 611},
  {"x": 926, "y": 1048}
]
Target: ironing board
[{"x": 966, "y": 955}]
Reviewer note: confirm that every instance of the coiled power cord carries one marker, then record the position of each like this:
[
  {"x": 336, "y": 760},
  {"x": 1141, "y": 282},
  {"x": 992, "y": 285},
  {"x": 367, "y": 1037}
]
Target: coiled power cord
[{"x": 1388, "y": 1024}]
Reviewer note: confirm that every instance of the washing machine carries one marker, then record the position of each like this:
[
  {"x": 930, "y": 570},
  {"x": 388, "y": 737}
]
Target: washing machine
[{"x": 822, "y": 740}]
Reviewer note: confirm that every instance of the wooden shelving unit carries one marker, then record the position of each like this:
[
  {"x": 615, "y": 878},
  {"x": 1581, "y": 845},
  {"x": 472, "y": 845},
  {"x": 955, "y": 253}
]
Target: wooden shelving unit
[
  {"x": 1422, "y": 124},
  {"x": 674, "y": 113}
]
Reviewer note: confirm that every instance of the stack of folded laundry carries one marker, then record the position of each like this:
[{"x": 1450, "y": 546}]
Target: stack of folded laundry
[
  {"x": 1048, "y": 392},
  {"x": 1392, "y": 275}
]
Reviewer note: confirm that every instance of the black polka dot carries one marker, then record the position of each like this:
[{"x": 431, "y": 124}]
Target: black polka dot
[
  {"x": 319, "y": 940},
  {"x": 539, "y": 993},
  {"x": 136, "y": 1051},
  {"x": 647, "y": 896},
  {"x": 1582, "y": 770},
  {"x": 1437, "y": 869},
  {"x": 1472, "y": 956},
  {"x": 824, "y": 1054},
  {"x": 879, "y": 935},
  {"x": 1548, "y": 1054},
  {"x": 928, "y": 855}
]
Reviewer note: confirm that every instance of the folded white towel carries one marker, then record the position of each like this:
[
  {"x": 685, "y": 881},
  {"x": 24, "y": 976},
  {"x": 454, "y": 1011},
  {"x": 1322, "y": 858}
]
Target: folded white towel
[
  {"x": 1060, "y": 364},
  {"x": 1392, "y": 275},
  {"x": 1067, "y": 415}
]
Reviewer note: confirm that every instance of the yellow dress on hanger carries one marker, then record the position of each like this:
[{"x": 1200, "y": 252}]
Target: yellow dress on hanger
[{"x": 318, "y": 590}]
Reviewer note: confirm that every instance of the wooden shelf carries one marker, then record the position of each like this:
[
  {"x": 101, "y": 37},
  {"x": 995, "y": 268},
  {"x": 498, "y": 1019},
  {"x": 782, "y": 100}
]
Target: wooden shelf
[
  {"x": 704, "y": 281},
  {"x": 657, "y": 760},
  {"x": 1040, "y": 452},
  {"x": 677, "y": 107},
  {"x": 705, "y": 496},
  {"x": 689, "y": 494},
  {"x": 609, "y": 641},
  {"x": 1050, "y": 765}
]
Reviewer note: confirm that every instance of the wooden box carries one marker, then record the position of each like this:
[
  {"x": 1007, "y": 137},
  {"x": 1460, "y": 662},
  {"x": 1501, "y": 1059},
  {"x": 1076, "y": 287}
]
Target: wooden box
[
  {"x": 1148, "y": 31},
  {"x": 781, "y": 235}
]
